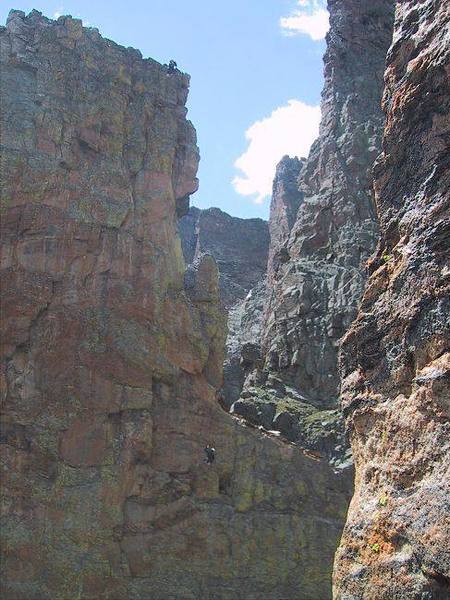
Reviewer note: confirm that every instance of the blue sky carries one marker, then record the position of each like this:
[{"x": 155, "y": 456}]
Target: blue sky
[{"x": 256, "y": 69}]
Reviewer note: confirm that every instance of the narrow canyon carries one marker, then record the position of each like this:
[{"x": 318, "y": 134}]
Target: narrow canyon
[{"x": 312, "y": 351}]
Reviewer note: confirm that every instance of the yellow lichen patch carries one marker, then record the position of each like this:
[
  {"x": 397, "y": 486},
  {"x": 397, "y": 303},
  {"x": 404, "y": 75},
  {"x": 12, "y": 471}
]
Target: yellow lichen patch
[{"x": 383, "y": 499}]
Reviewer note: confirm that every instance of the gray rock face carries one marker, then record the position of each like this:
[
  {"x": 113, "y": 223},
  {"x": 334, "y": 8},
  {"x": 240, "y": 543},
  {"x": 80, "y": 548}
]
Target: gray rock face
[
  {"x": 187, "y": 227},
  {"x": 323, "y": 227},
  {"x": 244, "y": 332},
  {"x": 240, "y": 248},
  {"x": 395, "y": 360},
  {"x": 286, "y": 199},
  {"x": 315, "y": 292}
]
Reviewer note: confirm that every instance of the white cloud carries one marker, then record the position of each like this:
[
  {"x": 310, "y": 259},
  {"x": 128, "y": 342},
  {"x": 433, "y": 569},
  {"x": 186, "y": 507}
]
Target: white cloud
[
  {"x": 310, "y": 18},
  {"x": 59, "y": 11},
  {"x": 290, "y": 129}
]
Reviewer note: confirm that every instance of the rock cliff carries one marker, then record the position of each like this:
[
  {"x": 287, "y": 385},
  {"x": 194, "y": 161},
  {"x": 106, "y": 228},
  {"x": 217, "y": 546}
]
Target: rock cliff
[
  {"x": 395, "y": 360},
  {"x": 285, "y": 202},
  {"x": 112, "y": 354},
  {"x": 323, "y": 229},
  {"x": 240, "y": 248}
]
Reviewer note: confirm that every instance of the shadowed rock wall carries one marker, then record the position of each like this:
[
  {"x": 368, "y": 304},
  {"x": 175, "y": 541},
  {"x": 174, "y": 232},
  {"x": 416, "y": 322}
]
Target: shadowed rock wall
[
  {"x": 395, "y": 360},
  {"x": 239, "y": 246},
  {"x": 112, "y": 354}
]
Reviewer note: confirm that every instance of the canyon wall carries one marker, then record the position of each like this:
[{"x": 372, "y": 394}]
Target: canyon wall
[
  {"x": 240, "y": 248},
  {"x": 284, "y": 205},
  {"x": 112, "y": 354},
  {"x": 395, "y": 360},
  {"x": 323, "y": 228}
]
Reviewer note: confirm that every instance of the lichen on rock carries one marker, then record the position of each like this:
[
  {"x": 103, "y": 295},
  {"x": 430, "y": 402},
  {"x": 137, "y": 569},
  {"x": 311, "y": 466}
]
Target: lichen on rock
[{"x": 395, "y": 360}]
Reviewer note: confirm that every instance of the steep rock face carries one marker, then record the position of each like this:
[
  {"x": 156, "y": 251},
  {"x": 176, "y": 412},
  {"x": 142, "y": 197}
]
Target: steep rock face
[
  {"x": 187, "y": 227},
  {"x": 244, "y": 332},
  {"x": 240, "y": 248},
  {"x": 396, "y": 358},
  {"x": 286, "y": 199},
  {"x": 112, "y": 354},
  {"x": 316, "y": 291},
  {"x": 317, "y": 275}
]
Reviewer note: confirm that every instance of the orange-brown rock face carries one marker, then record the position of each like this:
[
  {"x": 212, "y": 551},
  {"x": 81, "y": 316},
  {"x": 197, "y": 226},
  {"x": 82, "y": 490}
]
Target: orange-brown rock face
[
  {"x": 112, "y": 354},
  {"x": 395, "y": 359}
]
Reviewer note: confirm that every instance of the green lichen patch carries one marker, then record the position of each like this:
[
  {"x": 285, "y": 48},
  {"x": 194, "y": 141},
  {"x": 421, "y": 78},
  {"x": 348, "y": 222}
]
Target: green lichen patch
[{"x": 100, "y": 211}]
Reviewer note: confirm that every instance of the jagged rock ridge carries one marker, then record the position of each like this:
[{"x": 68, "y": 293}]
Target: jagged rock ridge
[
  {"x": 113, "y": 351},
  {"x": 323, "y": 229},
  {"x": 395, "y": 360}
]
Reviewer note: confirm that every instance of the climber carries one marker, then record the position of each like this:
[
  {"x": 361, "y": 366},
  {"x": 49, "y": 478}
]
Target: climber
[
  {"x": 210, "y": 454},
  {"x": 172, "y": 67}
]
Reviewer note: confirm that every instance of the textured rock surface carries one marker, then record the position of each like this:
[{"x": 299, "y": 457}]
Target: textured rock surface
[
  {"x": 244, "y": 332},
  {"x": 396, "y": 357},
  {"x": 316, "y": 274},
  {"x": 316, "y": 290},
  {"x": 240, "y": 247},
  {"x": 112, "y": 354},
  {"x": 286, "y": 200}
]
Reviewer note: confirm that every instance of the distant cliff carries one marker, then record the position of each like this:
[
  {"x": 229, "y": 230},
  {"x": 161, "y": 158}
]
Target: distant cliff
[
  {"x": 285, "y": 202},
  {"x": 395, "y": 360},
  {"x": 239, "y": 246}
]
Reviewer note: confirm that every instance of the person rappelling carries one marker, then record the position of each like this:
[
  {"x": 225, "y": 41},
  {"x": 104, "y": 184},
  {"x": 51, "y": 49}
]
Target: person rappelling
[{"x": 210, "y": 454}]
